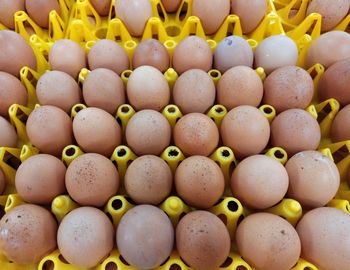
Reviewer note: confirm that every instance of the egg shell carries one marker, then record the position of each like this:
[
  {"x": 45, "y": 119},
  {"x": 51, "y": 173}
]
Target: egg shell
[
  {"x": 39, "y": 10},
  {"x": 145, "y": 237},
  {"x": 40, "y": 178},
  {"x": 171, "y": 5},
  {"x": 101, "y": 6},
  {"x": 325, "y": 239},
  {"x": 202, "y": 240},
  {"x": 268, "y": 242},
  {"x": 233, "y": 51},
  {"x": 340, "y": 130},
  {"x": 148, "y": 180},
  {"x": 27, "y": 234},
  {"x": 85, "y": 237},
  {"x": 104, "y": 89},
  {"x": 8, "y": 136},
  {"x": 240, "y": 85},
  {"x": 199, "y": 182},
  {"x": 2, "y": 182},
  {"x": 194, "y": 91},
  {"x": 49, "y": 129},
  {"x": 108, "y": 54},
  {"x": 8, "y": 8}
]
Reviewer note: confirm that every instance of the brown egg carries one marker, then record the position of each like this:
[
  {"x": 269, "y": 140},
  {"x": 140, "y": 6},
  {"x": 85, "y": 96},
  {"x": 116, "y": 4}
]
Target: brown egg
[
  {"x": 134, "y": 14},
  {"x": 311, "y": 170},
  {"x": 202, "y": 240},
  {"x": 40, "y": 178},
  {"x": 27, "y": 234},
  {"x": 192, "y": 52},
  {"x": 8, "y": 136},
  {"x": 171, "y": 5},
  {"x": 108, "y": 54},
  {"x": 196, "y": 134},
  {"x": 91, "y": 179},
  {"x": 340, "y": 130},
  {"x": 15, "y": 53},
  {"x": 49, "y": 129},
  {"x": 240, "y": 85},
  {"x": 325, "y": 238},
  {"x": 85, "y": 237},
  {"x": 268, "y": 242},
  {"x": 275, "y": 52},
  {"x": 332, "y": 11},
  {"x": 2, "y": 182},
  {"x": 194, "y": 91},
  {"x": 148, "y": 180},
  {"x": 335, "y": 83},
  {"x": 67, "y": 56},
  {"x": 295, "y": 130},
  {"x": 245, "y": 130},
  {"x": 145, "y": 237},
  {"x": 259, "y": 182},
  {"x": 102, "y": 7},
  {"x": 287, "y": 88},
  {"x": 328, "y": 48},
  {"x": 250, "y": 13},
  {"x": 210, "y": 20},
  {"x": 147, "y": 88},
  {"x": 97, "y": 131},
  {"x": 233, "y": 51},
  {"x": 58, "y": 89},
  {"x": 12, "y": 91},
  {"x": 199, "y": 182},
  {"x": 104, "y": 89},
  {"x": 39, "y": 10},
  {"x": 8, "y": 8},
  {"x": 153, "y": 128},
  {"x": 151, "y": 52}
]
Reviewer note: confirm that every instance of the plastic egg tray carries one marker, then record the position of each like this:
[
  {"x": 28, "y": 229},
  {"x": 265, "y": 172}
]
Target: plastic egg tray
[{"x": 75, "y": 23}]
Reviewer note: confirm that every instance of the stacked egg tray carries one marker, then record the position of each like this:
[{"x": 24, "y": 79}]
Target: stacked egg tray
[{"x": 75, "y": 23}]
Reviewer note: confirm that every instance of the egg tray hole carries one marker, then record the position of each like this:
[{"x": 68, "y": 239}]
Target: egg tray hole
[
  {"x": 324, "y": 112},
  {"x": 70, "y": 152},
  {"x": 48, "y": 265},
  {"x": 278, "y": 154},
  {"x": 267, "y": 110},
  {"x": 111, "y": 266},
  {"x": 173, "y": 153}
]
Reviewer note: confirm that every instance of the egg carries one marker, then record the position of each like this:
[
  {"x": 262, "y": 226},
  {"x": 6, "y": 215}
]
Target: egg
[
  {"x": 108, "y": 54},
  {"x": 250, "y": 13},
  {"x": 295, "y": 130},
  {"x": 259, "y": 182},
  {"x": 145, "y": 237},
  {"x": 210, "y": 20},
  {"x": 287, "y": 88},
  {"x": 311, "y": 170},
  {"x": 192, "y": 53},
  {"x": 196, "y": 134},
  {"x": 324, "y": 235},
  {"x": 332, "y": 12},
  {"x": 233, "y": 51},
  {"x": 328, "y": 48},
  {"x": 275, "y": 52},
  {"x": 194, "y": 91},
  {"x": 97, "y": 131},
  {"x": 153, "y": 128},
  {"x": 91, "y": 179},
  {"x": 27, "y": 234},
  {"x": 134, "y": 14},
  {"x": 148, "y": 180},
  {"x": 202, "y": 240},
  {"x": 335, "y": 83},
  {"x": 67, "y": 56},
  {"x": 40, "y": 178},
  {"x": 147, "y": 88},
  {"x": 58, "y": 89},
  {"x": 49, "y": 129},
  {"x": 85, "y": 237},
  {"x": 2, "y": 182},
  {"x": 151, "y": 52},
  {"x": 240, "y": 85},
  {"x": 39, "y": 10},
  {"x": 102, "y": 7},
  {"x": 199, "y": 182},
  {"x": 245, "y": 130},
  {"x": 8, "y": 136},
  {"x": 340, "y": 130},
  {"x": 268, "y": 242},
  {"x": 8, "y": 8},
  {"x": 104, "y": 89},
  {"x": 171, "y": 5},
  {"x": 15, "y": 53}
]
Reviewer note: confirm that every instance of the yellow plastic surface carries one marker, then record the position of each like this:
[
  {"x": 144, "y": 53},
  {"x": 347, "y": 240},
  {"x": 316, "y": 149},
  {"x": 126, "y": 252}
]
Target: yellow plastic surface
[
  {"x": 76, "y": 108},
  {"x": 117, "y": 206},
  {"x": 62, "y": 205},
  {"x": 225, "y": 158},
  {"x": 279, "y": 154},
  {"x": 172, "y": 113},
  {"x": 69, "y": 153},
  {"x": 173, "y": 156},
  {"x": 27, "y": 151},
  {"x": 268, "y": 111},
  {"x": 18, "y": 116},
  {"x": 12, "y": 201},
  {"x": 217, "y": 113},
  {"x": 175, "y": 208},
  {"x": 9, "y": 160},
  {"x": 289, "y": 209},
  {"x": 124, "y": 113},
  {"x": 122, "y": 156},
  {"x": 304, "y": 265}
]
